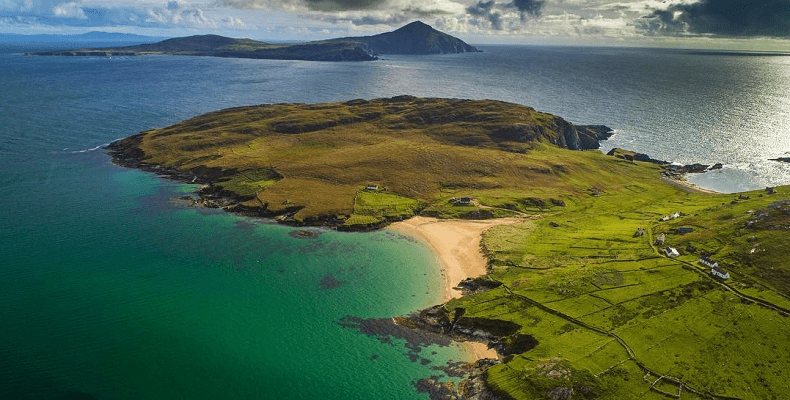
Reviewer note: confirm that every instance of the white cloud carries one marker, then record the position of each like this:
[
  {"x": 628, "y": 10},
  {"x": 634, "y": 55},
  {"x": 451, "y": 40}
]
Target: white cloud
[{"x": 69, "y": 10}]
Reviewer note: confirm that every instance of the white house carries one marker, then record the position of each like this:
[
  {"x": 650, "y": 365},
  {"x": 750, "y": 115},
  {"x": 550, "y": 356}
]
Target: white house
[
  {"x": 716, "y": 271},
  {"x": 671, "y": 252},
  {"x": 708, "y": 262}
]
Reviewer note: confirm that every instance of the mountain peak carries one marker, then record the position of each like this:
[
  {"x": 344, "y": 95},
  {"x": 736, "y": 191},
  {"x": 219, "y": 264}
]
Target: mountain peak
[{"x": 417, "y": 38}]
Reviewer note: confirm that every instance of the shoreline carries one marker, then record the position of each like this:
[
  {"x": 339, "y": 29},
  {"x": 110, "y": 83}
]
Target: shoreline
[
  {"x": 687, "y": 186},
  {"x": 456, "y": 247}
]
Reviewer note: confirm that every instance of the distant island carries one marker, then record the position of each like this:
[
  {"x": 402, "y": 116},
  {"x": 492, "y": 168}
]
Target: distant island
[{"x": 414, "y": 38}]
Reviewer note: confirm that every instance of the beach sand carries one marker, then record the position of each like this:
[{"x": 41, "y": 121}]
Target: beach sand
[
  {"x": 686, "y": 186},
  {"x": 456, "y": 244}
]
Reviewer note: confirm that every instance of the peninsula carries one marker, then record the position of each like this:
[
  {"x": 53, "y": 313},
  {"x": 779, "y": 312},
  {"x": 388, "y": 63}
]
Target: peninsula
[
  {"x": 602, "y": 282},
  {"x": 414, "y": 38}
]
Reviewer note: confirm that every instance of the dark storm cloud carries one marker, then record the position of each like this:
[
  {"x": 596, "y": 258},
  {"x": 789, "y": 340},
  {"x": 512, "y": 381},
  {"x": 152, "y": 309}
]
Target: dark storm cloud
[
  {"x": 344, "y": 5},
  {"x": 492, "y": 11},
  {"x": 731, "y": 18},
  {"x": 485, "y": 9},
  {"x": 528, "y": 7}
]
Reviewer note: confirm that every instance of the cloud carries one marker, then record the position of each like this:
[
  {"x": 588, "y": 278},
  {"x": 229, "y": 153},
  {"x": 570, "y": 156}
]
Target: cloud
[
  {"x": 97, "y": 14},
  {"x": 728, "y": 18},
  {"x": 485, "y": 9},
  {"x": 497, "y": 13},
  {"x": 69, "y": 10},
  {"x": 344, "y": 5},
  {"x": 529, "y": 7}
]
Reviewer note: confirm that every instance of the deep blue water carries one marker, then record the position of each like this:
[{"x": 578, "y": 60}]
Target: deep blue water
[{"x": 109, "y": 290}]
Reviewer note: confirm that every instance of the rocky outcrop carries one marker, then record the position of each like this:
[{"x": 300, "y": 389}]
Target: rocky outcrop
[
  {"x": 672, "y": 171},
  {"x": 560, "y": 133}
]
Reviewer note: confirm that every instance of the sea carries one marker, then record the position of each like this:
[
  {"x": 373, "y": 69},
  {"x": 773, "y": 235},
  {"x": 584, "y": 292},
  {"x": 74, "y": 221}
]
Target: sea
[{"x": 112, "y": 288}]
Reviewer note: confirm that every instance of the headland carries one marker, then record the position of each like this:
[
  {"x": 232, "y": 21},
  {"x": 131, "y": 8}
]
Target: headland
[{"x": 590, "y": 275}]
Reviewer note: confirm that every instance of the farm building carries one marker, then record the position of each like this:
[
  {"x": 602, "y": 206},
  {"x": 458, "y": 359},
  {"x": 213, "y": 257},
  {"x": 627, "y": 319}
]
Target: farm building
[
  {"x": 671, "y": 252},
  {"x": 639, "y": 232},
  {"x": 708, "y": 262},
  {"x": 716, "y": 271},
  {"x": 660, "y": 239},
  {"x": 372, "y": 187},
  {"x": 683, "y": 230},
  {"x": 464, "y": 200}
]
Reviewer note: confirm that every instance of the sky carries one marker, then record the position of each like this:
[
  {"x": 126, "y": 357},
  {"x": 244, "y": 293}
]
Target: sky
[{"x": 718, "y": 24}]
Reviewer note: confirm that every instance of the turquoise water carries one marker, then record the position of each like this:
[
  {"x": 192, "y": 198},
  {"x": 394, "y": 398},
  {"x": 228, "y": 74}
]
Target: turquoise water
[
  {"x": 120, "y": 294},
  {"x": 110, "y": 290}
]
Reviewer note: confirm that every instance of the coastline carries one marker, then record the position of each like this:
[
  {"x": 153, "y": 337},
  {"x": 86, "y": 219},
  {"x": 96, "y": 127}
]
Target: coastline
[
  {"x": 456, "y": 246},
  {"x": 686, "y": 186}
]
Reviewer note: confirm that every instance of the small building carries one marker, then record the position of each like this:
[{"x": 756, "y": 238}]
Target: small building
[
  {"x": 708, "y": 262},
  {"x": 683, "y": 230},
  {"x": 372, "y": 187},
  {"x": 665, "y": 218},
  {"x": 639, "y": 232},
  {"x": 464, "y": 200},
  {"x": 660, "y": 239},
  {"x": 719, "y": 272},
  {"x": 770, "y": 190},
  {"x": 675, "y": 215},
  {"x": 691, "y": 249},
  {"x": 671, "y": 252}
]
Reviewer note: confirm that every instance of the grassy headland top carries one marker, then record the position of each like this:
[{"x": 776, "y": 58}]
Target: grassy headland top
[
  {"x": 311, "y": 163},
  {"x": 414, "y": 38}
]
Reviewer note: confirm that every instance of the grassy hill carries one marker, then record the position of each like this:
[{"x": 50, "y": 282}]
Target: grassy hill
[{"x": 310, "y": 163}]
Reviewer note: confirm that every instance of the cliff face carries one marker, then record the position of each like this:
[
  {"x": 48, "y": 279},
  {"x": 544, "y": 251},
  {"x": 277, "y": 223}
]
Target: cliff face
[{"x": 559, "y": 132}]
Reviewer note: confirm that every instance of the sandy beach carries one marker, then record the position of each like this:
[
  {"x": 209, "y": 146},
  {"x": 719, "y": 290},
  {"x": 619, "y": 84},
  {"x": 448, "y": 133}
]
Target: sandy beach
[
  {"x": 686, "y": 186},
  {"x": 456, "y": 244}
]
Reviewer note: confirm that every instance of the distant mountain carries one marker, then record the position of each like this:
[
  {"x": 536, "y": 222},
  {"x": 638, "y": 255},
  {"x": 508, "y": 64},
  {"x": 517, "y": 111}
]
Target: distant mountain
[{"x": 414, "y": 38}]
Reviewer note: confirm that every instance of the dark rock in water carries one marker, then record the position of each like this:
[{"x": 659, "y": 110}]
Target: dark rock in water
[
  {"x": 696, "y": 168},
  {"x": 386, "y": 328},
  {"x": 329, "y": 282},
  {"x": 436, "y": 389},
  {"x": 633, "y": 156},
  {"x": 304, "y": 234},
  {"x": 716, "y": 166},
  {"x": 781, "y": 159}
]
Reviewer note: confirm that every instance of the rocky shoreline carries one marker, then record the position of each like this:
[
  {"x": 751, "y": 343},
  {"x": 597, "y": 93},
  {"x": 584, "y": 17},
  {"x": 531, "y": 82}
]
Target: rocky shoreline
[
  {"x": 671, "y": 171},
  {"x": 126, "y": 153}
]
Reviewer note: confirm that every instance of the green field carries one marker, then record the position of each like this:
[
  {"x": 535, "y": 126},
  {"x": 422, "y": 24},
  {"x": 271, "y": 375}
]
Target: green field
[{"x": 612, "y": 314}]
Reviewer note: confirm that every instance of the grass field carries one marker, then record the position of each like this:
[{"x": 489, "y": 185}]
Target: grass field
[{"x": 610, "y": 309}]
